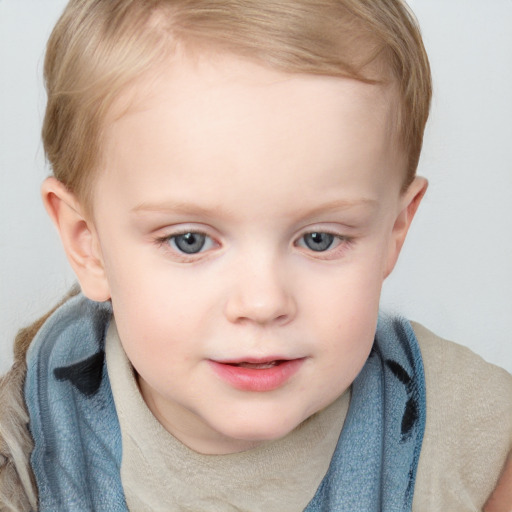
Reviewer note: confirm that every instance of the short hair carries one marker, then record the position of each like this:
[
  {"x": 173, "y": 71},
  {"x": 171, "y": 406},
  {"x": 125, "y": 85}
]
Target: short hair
[{"x": 98, "y": 47}]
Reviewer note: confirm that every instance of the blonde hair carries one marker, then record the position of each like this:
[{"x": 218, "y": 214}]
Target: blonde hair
[{"x": 98, "y": 47}]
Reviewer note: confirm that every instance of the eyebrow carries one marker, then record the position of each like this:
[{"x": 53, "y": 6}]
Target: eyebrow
[
  {"x": 185, "y": 208},
  {"x": 342, "y": 204},
  {"x": 174, "y": 207}
]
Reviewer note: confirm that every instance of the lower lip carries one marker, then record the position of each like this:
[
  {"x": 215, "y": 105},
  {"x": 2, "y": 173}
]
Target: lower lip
[{"x": 250, "y": 379}]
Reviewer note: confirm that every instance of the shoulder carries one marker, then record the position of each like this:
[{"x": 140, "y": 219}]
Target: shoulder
[
  {"x": 468, "y": 430},
  {"x": 17, "y": 490},
  {"x": 17, "y": 486}
]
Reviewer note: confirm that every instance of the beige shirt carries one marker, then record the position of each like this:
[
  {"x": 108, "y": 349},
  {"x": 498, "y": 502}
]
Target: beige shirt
[
  {"x": 467, "y": 436},
  {"x": 469, "y": 427},
  {"x": 159, "y": 473}
]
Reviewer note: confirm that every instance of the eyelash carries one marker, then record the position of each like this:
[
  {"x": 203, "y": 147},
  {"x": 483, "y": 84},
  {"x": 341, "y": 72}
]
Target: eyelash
[{"x": 343, "y": 244}]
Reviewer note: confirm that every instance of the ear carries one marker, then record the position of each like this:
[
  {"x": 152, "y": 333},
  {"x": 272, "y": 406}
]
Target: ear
[
  {"x": 78, "y": 237},
  {"x": 409, "y": 202}
]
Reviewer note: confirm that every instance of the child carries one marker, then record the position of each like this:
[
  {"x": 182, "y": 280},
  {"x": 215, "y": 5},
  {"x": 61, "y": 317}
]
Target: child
[{"x": 233, "y": 181}]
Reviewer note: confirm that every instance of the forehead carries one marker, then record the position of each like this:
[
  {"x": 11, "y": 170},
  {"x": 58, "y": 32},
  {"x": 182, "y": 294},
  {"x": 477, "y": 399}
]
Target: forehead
[
  {"x": 193, "y": 80},
  {"x": 204, "y": 116}
]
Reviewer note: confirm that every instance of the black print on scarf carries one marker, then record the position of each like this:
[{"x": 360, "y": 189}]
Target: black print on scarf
[
  {"x": 85, "y": 375},
  {"x": 411, "y": 414}
]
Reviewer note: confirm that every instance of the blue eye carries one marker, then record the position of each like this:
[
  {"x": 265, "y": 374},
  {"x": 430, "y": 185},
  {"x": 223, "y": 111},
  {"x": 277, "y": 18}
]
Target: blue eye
[
  {"x": 189, "y": 243},
  {"x": 318, "y": 241}
]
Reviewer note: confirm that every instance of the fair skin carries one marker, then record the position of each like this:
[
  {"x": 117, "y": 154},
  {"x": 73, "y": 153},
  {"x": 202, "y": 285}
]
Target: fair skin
[
  {"x": 501, "y": 499},
  {"x": 242, "y": 225}
]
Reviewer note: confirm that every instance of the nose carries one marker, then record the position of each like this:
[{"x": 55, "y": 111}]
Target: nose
[{"x": 261, "y": 294}]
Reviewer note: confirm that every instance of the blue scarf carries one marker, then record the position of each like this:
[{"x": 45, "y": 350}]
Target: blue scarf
[{"x": 77, "y": 455}]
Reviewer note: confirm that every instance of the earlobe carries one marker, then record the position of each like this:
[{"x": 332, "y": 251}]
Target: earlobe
[
  {"x": 409, "y": 204},
  {"x": 78, "y": 237}
]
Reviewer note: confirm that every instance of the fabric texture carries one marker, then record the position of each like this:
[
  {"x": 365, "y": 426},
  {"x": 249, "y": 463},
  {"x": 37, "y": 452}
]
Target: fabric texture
[
  {"x": 469, "y": 427},
  {"x": 77, "y": 450},
  {"x": 77, "y": 454},
  {"x": 159, "y": 473},
  {"x": 17, "y": 487}
]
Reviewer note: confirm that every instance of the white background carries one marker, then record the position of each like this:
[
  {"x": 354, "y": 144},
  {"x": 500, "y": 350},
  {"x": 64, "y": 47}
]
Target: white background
[{"x": 455, "y": 273}]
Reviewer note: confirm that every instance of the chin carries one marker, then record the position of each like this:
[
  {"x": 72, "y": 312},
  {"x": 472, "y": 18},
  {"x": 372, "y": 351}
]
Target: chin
[{"x": 260, "y": 428}]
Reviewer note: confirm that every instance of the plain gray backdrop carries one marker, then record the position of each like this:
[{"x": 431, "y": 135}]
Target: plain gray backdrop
[{"x": 455, "y": 272}]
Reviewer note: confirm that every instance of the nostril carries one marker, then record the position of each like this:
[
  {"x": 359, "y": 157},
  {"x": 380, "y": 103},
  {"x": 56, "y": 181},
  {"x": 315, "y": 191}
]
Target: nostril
[{"x": 282, "y": 318}]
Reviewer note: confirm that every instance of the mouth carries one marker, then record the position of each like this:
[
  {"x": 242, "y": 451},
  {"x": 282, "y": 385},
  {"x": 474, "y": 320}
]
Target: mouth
[
  {"x": 257, "y": 375},
  {"x": 259, "y": 366}
]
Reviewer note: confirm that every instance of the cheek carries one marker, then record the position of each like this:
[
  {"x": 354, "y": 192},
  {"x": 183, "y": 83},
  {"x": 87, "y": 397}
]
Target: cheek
[
  {"x": 160, "y": 309},
  {"x": 343, "y": 309},
  {"x": 347, "y": 293}
]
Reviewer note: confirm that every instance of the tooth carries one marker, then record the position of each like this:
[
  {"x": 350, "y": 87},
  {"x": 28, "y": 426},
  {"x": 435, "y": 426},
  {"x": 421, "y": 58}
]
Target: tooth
[{"x": 257, "y": 366}]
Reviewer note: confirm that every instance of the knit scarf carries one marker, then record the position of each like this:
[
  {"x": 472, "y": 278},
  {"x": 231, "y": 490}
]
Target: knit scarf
[{"x": 77, "y": 455}]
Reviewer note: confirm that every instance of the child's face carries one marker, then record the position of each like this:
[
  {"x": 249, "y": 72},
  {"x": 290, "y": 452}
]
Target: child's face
[{"x": 245, "y": 220}]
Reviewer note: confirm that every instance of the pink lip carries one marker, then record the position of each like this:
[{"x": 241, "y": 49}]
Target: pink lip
[{"x": 257, "y": 379}]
